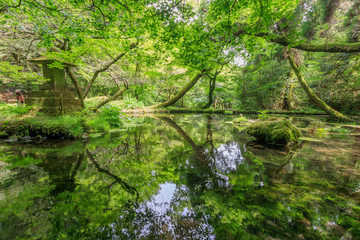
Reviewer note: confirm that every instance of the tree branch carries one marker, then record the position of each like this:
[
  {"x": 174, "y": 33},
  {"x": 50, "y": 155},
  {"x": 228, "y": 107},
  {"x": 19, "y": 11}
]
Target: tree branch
[
  {"x": 181, "y": 93},
  {"x": 308, "y": 47},
  {"x": 5, "y": 8},
  {"x": 104, "y": 68}
]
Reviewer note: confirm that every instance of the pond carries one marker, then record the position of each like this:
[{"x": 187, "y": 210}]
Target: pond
[{"x": 180, "y": 177}]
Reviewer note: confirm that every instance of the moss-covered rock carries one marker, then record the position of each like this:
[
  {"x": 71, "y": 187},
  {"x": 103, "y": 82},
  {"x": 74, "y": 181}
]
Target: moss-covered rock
[{"x": 278, "y": 132}]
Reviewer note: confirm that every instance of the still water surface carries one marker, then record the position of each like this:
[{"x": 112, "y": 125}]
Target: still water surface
[{"x": 180, "y": 177}]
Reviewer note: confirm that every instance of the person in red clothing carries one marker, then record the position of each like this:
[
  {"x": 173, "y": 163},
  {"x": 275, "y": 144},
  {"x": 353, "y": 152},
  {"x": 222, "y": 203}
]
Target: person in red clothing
[{"x": 20, "y": 97}]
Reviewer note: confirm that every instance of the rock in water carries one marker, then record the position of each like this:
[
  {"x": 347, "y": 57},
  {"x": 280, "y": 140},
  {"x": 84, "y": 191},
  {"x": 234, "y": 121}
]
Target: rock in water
[{"x": 278, "y": 132}]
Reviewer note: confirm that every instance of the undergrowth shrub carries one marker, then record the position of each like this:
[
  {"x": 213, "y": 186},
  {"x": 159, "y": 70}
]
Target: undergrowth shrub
[{"x": 9, "y": 110}]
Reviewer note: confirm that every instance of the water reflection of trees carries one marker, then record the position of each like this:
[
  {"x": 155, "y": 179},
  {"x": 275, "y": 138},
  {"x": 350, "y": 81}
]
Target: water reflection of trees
[
  {"x": 283, "y": 204},
  {"x": 218, "y": 187}
]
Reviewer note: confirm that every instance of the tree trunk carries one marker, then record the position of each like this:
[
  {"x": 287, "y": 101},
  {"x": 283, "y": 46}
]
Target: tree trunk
[
  {"x": 77, "y": 86},
  {"x": 288, "y": 100},
  {"x": 116, "y": 95},
  {"x": 211, "y": 91},
  {"x": 180, "y": 94},
  {"x": 313, "y": 97}
]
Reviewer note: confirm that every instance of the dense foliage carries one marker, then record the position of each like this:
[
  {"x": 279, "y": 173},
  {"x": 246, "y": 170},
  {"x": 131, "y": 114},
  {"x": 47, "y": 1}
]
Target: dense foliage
[{"x": 222, "y": 54}]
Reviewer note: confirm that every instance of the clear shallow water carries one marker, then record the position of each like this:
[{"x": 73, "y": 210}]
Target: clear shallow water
[{"x": 185, "y": 177}]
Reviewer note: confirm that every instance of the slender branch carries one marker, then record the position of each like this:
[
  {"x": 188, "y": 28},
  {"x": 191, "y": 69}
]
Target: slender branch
[
  {"x": 347, "y": 82},
  {"x": 30, "y": 45},
  {"x": 103, "y": 15},
  {"x": 5, "y": 8},
  {"x": 103, "y": 69}
]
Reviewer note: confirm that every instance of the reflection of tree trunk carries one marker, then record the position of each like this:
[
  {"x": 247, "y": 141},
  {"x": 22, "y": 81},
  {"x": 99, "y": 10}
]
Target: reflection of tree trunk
[
  {"x": 180, "y": 131},
  {"x": 355, "y": 151},
  {"x": 209, "y": 130},
  {"x": 77, "y": 166},
  {"x": 201, "y": 156},
  {"x": 137, "y": 140},
  {"x": 127, "y": 187},
  {"x": 204, "y": 169},
  {"x": 209, "y": 135}
]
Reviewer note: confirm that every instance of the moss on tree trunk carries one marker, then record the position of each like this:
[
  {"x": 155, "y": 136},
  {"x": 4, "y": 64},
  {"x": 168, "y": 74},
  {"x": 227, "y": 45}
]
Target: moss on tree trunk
[
  {"x": 211, "y": 91},
  {"x": 313, "y": 97}
]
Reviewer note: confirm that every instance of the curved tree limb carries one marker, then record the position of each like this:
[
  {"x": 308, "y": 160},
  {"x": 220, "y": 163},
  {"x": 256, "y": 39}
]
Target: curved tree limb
[
  {"x": 181, "y": 93},
  {"x": 104, "y": 68}
]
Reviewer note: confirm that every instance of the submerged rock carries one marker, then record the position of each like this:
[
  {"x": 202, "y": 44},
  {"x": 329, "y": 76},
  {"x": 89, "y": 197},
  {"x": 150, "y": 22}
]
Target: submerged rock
[{"x": 278, "y": 132}]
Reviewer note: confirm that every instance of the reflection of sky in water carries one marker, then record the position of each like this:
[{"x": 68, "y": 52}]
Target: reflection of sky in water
[
  {"x": 160, "y": 203},
  {"x": 228, "y": 156},
  {"x": 168, "y": 220}
]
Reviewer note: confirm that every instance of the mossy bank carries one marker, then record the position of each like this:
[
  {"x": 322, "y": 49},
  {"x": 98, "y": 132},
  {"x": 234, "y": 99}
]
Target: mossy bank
[{"x": 25, "y": 125}]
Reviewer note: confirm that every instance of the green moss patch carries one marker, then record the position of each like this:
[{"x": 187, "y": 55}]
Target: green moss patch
[{"x": 278, "y": 132}]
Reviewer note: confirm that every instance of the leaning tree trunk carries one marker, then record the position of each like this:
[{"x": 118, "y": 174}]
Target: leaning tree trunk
[
  {"x": 313, "y": 97},
  {"x": 174, "y": 99},
  {"x": 114, "y": 97}
]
